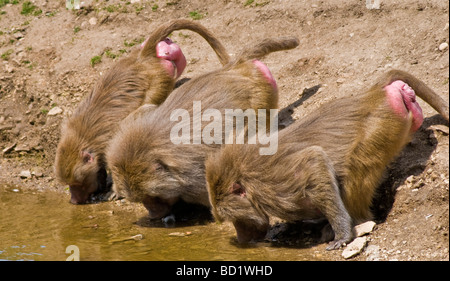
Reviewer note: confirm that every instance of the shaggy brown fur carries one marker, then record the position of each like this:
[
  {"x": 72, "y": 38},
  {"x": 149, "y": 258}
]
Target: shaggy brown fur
[
  {"x": 350, "y": 141},
  {"x": 133, "y": 81},
  {"x": 147, "y": 167}
]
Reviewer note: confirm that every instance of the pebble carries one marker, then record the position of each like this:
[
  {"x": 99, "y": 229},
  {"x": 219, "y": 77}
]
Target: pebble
[
  {"x": 55, "y": 111},
  {"x": 443, "y": 47},
  {"x": 22, "y": 148},
  {"x": 18, "y": 35},
  {"x": 355, "y": 247},
  {"x": 25, "y": 174},
  {"x": 9, "y": 68},
  {"x": 364, "y": 228},
  {"x": 93, "y": 21},
  {"x": 37, "y": 174}
]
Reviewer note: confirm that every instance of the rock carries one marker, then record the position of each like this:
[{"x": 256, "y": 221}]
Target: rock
[
  {"x": 18, "y": 35},
  {"x": 37, "y": 173},
  {"x": 9, "y": 68},
  {"x": 93, "y": 21},
  {"x": 364, "y": 228},
  {"x": 25, "y": 174},
  {"x": 443, "y": 47},
  {"x": 55, "y": 111},
  {"x": 355, "y": 247},
  {"x": 22, "y": 148}
]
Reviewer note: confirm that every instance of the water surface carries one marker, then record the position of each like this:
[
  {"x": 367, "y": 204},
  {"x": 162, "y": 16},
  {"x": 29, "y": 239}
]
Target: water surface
[{"x": 41, "y": 225}]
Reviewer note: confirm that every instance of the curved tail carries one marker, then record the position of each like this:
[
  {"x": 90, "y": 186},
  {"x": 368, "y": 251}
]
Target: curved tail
[
  {"x": 421, "y": 90},
  {"x": 163, "y": 31},
  {"x": 266, "y": 47}
]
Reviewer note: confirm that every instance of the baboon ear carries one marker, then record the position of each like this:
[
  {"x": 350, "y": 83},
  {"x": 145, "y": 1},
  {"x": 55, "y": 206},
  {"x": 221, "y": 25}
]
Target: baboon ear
[
  {"x": 87, "y": 156},
  {"x": 238, "y": 189}
]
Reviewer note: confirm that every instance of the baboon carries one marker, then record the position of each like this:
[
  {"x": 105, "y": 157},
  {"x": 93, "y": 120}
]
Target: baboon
[
  {"x": 328, "y": 164},
  {"x": 146, "y": 76},
  {"x": 148, "y": 167}
]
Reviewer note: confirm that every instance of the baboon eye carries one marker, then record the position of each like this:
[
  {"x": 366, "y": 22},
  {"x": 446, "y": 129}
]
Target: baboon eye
[{"x": 238, "y": 189}]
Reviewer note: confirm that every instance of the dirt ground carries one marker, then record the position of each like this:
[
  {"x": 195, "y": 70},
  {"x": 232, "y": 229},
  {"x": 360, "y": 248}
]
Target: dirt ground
[{"x": 50, "y": 61}]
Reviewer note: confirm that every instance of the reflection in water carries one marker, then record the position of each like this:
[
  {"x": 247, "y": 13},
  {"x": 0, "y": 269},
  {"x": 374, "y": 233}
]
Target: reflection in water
[{"x": 41, "y": 225}]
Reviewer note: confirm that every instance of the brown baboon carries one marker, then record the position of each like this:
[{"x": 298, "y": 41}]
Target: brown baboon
[
  {"x": 146, "y": 76},
  {"x": 148, "y": 167},
  {"x": 327, "y": 165}
]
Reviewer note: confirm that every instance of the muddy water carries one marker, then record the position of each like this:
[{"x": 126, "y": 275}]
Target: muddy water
[{"x": 41, "y": 225}]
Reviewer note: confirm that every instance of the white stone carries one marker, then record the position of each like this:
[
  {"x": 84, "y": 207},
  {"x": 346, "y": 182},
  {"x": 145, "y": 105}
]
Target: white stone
[
  {"x": 55, "y": 111},
  {"x": 355, "y": 247},
  {"x": 25, "y": 174},
  {"x": 364, "y": 228},
  {"x": 93, "y": 21},
  {"x": 443, "y": 47}
]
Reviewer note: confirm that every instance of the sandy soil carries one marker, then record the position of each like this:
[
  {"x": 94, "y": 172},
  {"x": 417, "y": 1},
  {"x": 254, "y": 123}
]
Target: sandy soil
[{"x": 45, "y": 70}]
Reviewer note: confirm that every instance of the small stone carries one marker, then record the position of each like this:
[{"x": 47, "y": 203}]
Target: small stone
[
  {"x": 9, "y": 68},
  {"x": 22, "y": 148},
  {"x": 37, "y": 174},
  {"x": 443, "y": 47},
  {"x": 355, "y": 247},
  {"x": 25, "y": 174},
  {"x": 364, "y": 228},
  {"x": 93, "y": 21},
  {"x": 18, "y": 35},
  {"x": 55, "y": 111}
]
